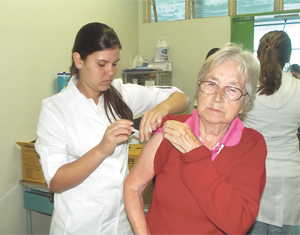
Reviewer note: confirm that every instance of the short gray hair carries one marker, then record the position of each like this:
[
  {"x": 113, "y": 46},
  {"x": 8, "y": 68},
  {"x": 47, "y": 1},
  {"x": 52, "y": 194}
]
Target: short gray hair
[{"x": 247, "y": 66}]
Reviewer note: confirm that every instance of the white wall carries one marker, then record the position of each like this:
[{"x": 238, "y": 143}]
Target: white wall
[
  {"x": 36, "y": 39},
  {"x": 189, "y": 42}
]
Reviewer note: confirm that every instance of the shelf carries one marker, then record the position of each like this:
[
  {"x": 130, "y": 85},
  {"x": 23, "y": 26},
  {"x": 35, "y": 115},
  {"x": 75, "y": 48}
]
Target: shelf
[{"x": 161, "y": 78}]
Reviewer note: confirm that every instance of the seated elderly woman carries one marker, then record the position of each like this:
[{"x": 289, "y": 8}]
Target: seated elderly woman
[{"x": 209, "y": 168}]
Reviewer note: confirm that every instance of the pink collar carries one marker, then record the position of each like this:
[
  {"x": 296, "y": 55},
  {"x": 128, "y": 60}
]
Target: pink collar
[{"x": 232, "y": 136}]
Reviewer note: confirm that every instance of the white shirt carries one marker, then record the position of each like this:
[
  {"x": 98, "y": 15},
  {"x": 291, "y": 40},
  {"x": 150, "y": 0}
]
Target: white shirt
[
  {"x": 277, "y": 118},
  {"x": 69, "y": 126}
]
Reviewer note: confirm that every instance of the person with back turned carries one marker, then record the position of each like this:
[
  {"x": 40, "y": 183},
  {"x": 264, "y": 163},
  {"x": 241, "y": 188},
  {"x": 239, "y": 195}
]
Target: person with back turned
[{"x": 276, "y": 115}]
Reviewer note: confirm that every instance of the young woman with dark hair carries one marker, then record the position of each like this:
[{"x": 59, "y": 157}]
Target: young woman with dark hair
[{"x": 83, "y": 135}]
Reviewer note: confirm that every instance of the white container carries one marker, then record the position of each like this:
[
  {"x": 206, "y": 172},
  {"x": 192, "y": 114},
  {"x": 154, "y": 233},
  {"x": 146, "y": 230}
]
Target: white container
[
  {"x": 150, "y": 83},
  {"x": 163, "y": 65}
]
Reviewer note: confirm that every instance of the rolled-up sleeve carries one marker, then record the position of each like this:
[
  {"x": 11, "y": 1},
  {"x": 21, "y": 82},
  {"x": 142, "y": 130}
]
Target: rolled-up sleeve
[
  {"x": 51, "y": 144},
  {"x": 141, "y": 99}
]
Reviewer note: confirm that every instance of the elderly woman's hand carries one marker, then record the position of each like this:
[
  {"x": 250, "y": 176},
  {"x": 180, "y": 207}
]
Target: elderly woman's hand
[{"x": 181, "y": 136}]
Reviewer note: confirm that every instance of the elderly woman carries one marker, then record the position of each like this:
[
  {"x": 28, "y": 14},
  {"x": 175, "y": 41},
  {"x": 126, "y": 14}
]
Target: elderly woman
[{"x": 209, "y": 168}]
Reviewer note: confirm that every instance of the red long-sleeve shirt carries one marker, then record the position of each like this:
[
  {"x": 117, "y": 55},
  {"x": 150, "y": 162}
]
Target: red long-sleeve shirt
[{"x": 195, "y": 195}]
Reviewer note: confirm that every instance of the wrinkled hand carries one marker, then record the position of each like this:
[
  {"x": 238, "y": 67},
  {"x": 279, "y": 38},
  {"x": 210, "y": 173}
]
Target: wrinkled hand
[
  {"x": 181, "y": 136},
  {"x": 151, "y": 121},
  {"x": 116, "y": 133}
]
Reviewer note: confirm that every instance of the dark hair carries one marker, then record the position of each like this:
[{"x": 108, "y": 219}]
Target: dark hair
[
  {"x": 212, "y": 51},
  {"x": 294, "y": 68},
  {"x": 274, "y": 51},
  {"x": 97, "y": 37}
]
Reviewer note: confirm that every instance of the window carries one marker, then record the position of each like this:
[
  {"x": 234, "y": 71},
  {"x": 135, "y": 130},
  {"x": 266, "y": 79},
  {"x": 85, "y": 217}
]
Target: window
[
  {"x": 291, "y": 4},
  {"x": 210, "y": 8},
  {"x": 292, "y": 28},
  {"x": 254, "y": 6},
  {"x": 168, "y": 10}
]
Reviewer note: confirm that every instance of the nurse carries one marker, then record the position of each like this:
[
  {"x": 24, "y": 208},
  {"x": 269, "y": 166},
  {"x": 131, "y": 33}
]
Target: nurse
[
  {"x": 276, "y": 115},
  {"x": 83, "y": 135}
]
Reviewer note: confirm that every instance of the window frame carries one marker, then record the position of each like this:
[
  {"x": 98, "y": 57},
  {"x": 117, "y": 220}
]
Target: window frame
[{"x": 232, "y": 9}]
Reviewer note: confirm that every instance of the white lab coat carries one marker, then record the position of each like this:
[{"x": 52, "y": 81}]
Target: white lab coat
[
  {"x": 69, "y": 126},
  {"x": 277, "y": 118}
]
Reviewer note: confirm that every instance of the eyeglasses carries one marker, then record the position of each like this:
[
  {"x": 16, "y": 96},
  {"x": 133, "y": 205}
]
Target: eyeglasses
[{"x": 231, "y": 93}]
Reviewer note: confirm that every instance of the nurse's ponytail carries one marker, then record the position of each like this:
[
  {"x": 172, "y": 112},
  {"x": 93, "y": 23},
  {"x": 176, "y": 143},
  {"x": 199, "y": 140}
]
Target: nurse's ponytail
[{"x": 274, "y": 52}]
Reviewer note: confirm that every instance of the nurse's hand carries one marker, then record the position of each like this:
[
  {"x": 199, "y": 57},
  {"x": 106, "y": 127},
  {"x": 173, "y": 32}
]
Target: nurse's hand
[
  {"x": 176, "y": 103},
  {"x": 72, "y": 174},
  {"x": 151, "y": 121},
  {"x": 181, "y": 136},
  {"x": 116, "y": 133}
]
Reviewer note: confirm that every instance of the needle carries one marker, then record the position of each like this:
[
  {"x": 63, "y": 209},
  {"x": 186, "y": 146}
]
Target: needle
[
  {"x": 135, "y": 131},
  {"x": 138, "y": 132}
]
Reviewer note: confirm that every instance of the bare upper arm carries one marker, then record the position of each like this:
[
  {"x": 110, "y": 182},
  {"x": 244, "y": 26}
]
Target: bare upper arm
[{"x": 143, "y": 170}]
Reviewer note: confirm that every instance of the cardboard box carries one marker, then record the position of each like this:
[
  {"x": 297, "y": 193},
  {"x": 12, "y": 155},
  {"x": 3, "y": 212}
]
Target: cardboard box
[
  {"x": 31, "y": 167},
  {"x": 133, "y": 154},
  {"x": 32, "y": 170}
]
